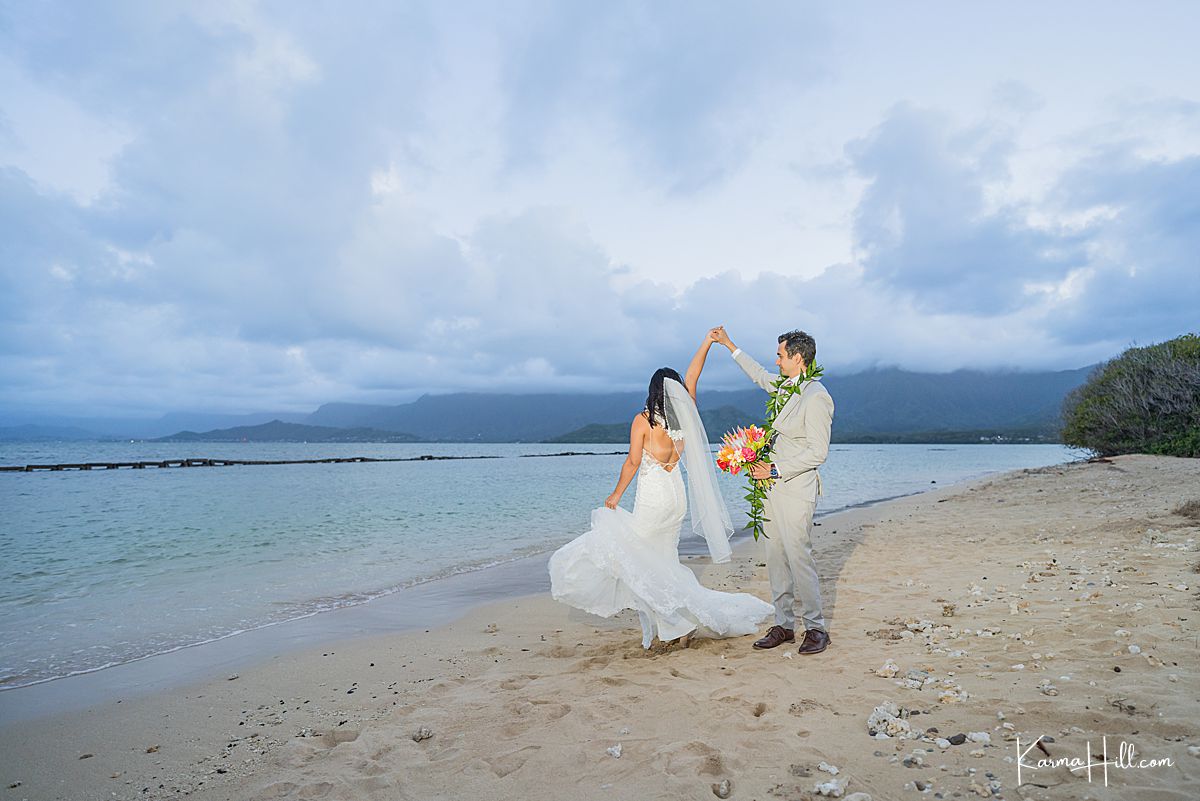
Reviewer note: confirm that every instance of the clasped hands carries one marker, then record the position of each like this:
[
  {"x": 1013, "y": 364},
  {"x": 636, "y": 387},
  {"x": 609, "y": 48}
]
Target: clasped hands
[{"x": 719, "y": 336}]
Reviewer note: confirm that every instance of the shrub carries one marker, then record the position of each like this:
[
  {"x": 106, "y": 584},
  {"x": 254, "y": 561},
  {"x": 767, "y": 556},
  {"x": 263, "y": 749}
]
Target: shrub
[{"x": 1147, "y": 400}]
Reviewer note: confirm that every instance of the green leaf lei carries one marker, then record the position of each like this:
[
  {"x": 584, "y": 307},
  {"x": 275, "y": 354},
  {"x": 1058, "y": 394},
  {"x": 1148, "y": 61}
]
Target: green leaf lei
[{"x": 776, "y": 400}]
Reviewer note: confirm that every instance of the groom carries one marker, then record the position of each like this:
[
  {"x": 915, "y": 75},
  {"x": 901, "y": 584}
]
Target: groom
[{"x": 803, "y": 427}]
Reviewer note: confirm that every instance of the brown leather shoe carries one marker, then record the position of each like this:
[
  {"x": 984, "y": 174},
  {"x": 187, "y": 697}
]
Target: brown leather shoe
[
  {"x": 776, "y": 635},
  {"x": 815, "y": 641}
]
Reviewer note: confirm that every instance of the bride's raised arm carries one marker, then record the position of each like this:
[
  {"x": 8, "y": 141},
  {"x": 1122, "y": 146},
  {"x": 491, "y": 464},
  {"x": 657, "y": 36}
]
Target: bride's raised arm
[{"x": 692, "y": 377}]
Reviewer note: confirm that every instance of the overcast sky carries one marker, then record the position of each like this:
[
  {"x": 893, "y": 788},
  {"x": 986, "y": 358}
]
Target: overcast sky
[{"x": 242, "y": 206}]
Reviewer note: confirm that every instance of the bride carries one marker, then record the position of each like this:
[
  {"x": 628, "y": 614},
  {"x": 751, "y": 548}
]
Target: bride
[{"x": 630, "y": 560}]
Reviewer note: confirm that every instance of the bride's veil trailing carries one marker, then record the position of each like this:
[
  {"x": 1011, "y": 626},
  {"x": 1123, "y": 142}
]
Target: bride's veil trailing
[{"x": 710, "y": 518}]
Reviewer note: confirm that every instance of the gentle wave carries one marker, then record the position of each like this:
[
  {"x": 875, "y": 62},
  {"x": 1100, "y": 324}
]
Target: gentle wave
[
  {"x": 118, "y": 567},
  {"x": 318, "y": 606}
]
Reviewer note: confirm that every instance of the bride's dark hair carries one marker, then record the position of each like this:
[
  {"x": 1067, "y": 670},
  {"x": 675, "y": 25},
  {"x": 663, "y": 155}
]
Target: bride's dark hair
[{"x": 656, "y": 401}]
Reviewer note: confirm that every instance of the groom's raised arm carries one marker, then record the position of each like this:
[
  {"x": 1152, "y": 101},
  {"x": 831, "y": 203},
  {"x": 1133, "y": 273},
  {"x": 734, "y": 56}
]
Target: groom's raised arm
[{"x": 758, "y": 374}]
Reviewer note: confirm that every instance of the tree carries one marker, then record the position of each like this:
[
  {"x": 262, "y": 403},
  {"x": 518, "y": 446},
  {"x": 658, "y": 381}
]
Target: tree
[{"x": 1147, "y": 400}]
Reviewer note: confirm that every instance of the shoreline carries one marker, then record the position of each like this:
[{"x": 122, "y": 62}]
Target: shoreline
[
  {"x": 426, "y": 605},
  {"x": 462, "y": 571},
  {"x": 531, "y": 567}
]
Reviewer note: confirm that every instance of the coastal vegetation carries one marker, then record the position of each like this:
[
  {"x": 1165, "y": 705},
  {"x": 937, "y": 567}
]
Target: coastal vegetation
[{"x": 1147, "y": 400}]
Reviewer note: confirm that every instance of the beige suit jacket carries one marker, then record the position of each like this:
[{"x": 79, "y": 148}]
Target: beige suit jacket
[{"x": 804, "y": 425}]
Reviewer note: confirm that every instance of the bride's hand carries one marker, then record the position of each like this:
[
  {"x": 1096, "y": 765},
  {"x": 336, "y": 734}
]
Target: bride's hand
[
  {"x": 612, "y": 500},
  {"x": 718, "y": 335}
]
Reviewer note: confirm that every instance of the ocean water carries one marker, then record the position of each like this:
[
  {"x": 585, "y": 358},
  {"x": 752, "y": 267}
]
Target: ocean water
[{"x": 104, "y": 567}]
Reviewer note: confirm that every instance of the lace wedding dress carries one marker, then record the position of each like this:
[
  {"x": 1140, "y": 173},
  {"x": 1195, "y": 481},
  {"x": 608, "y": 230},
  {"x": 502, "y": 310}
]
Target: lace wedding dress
[{"x": 630, "y": 560}]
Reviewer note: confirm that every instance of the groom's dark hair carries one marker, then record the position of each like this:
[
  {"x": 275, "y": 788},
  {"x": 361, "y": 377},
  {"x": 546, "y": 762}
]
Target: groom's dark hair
[{"x": 798, "y": 343}]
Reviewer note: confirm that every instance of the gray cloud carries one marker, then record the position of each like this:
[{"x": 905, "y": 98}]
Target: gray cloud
[
  {"x": 1143, "y": 271},
  {"x": 685, "y": 84},
  {"x": 264, "y": 240},
  {"x": 924, "y": 227}
]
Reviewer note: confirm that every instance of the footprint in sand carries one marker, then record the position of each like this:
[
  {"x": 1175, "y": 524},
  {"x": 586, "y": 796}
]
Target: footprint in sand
[
  {"x": 445, "y": 754},
  {"x": 336, "y": 737},
  {"x": 560, "y": 651},
  {"x": 692, "y": 759},
  {"x": 516, "y": 682},
  {"x": 590, "y": 662},
  {"x": 551, "y": 710},
  {"x": 507, "y": 763},
  {"x": 381, "y": 754},
  {"x": 373, "y": 768},
  {"x": 279, "y": 790},
  {"x": 528, "y": 714},
  {"x": 805, "y": 706},
  {"x": 446, "y": 685},
  {"x": 316, "y": 790}
]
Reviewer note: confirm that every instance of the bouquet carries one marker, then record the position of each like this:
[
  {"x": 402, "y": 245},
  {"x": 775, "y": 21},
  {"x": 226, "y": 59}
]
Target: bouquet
[
  {"x": 743, "y": 447},
  {"x": 746, "y": 446}
]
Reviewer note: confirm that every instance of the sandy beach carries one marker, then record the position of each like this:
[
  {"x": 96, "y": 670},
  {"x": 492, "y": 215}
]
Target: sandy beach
[{"x": 1058, "y": 603}]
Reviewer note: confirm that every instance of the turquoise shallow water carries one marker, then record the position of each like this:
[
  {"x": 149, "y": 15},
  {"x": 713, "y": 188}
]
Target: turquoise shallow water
[{"x": 104, "y": 567}]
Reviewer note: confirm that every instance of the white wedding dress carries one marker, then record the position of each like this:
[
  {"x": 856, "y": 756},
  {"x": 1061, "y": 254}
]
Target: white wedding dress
[{"x": 631, "y": 561}]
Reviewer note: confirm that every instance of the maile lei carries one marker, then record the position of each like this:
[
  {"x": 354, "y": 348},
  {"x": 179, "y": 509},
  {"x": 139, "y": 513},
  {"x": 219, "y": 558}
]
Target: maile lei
[{"x": 777, "y": 398}]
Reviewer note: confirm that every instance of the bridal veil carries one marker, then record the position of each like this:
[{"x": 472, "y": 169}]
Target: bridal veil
[{"x": 710, "y": 518}]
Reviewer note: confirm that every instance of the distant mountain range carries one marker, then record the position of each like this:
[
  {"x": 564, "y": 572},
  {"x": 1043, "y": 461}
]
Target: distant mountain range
[
  {"x": 874, "y": 406},
  {"x": 277, "y": 431},
  {"x": 888, "y": 405}
]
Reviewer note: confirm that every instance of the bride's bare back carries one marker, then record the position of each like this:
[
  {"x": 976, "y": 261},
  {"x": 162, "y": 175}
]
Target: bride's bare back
[
  {"x": 655, "y": 441},
  {"x": 661, "y": 447}
]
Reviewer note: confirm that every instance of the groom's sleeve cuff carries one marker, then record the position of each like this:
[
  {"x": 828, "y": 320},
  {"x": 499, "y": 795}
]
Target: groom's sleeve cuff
[{"x": 736, "y": 351}]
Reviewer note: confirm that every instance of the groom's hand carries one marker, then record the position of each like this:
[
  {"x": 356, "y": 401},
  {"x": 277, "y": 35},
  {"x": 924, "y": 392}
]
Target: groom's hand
[
  {"x": 760, "y": 470},
  {"x": 718, "y": 335}
]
